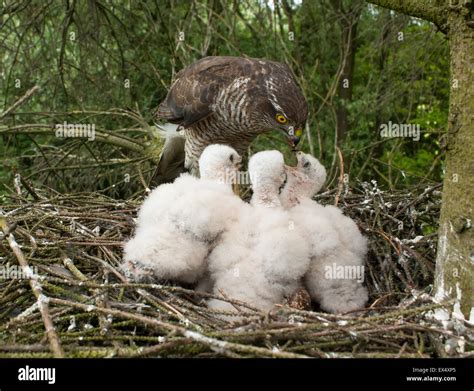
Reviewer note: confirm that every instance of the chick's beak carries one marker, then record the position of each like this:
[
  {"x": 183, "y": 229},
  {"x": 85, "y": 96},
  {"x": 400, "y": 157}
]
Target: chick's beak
[
  {"x": 300, "y": 157},
  {"x": 237, "y": 163}
]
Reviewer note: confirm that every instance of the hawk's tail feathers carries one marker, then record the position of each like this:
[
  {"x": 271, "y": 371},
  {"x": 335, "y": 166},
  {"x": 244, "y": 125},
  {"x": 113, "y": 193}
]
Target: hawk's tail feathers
[{"x": 171, "y": 163}]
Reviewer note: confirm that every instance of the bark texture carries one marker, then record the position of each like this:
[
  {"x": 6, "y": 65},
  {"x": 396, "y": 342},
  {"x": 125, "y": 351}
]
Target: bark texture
[{"x": 455, "y": 258}]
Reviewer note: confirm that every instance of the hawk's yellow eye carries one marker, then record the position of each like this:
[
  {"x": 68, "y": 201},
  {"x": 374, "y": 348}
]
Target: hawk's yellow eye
[{"x": 281, "y": 118}]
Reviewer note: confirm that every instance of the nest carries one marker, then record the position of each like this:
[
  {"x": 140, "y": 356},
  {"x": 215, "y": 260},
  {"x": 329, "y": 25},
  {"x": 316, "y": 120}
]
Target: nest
[{"x": 70, "y": 300}]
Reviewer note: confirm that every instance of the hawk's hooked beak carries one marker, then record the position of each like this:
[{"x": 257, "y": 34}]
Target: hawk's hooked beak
[{"x": 295, "y": 137}]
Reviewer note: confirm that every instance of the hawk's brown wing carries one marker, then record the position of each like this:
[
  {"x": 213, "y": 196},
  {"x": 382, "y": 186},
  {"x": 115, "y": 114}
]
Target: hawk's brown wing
[
  {"x": 197, "y": 86},
  {"x": 171, "y": 164}
]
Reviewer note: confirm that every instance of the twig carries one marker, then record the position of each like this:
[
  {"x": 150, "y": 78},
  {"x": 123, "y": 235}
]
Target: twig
[
  {"x": 20, "y": 101},
  {"x": 340, "y": 184},
  {"x": 42, "y": 299}
]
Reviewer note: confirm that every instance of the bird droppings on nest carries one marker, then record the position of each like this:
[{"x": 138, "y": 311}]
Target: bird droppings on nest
[{"x": 79, "y": 273}]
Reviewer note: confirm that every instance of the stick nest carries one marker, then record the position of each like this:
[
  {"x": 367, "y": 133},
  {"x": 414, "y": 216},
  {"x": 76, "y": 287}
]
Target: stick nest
[{"x": 74, "y": 302}]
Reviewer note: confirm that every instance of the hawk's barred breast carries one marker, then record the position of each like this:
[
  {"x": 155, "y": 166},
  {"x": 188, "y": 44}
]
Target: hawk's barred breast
[{"x": 230, "y": 100}]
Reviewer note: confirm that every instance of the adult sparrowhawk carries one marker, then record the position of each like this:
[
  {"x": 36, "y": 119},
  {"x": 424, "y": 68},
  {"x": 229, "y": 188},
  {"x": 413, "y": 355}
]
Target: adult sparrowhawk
[{"x": 227, "y": 100}]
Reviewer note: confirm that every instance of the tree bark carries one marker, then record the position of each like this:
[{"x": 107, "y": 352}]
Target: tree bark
[
  {"x": 434, "y": 11},
  {"x": 455, "y": 261},
  {"x": 454, "y": 277}
]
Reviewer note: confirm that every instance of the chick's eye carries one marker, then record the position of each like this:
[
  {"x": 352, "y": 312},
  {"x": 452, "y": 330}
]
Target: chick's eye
[
  {"x": 231, "y": 158},
  {"x": 281, "y": 118},
  {"x": 307, "y": 164}
]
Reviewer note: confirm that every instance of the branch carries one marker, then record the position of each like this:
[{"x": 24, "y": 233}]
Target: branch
[
  {"x": 101, "y": 136},
  {"x": 19, "y": 102},
  {"x": 430, "y": 10},
  {"x": 41, "y": 299}
]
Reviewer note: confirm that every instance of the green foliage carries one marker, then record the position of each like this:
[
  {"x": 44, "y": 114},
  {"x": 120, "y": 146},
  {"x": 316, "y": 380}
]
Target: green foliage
[{"x": 111, "y": 63}]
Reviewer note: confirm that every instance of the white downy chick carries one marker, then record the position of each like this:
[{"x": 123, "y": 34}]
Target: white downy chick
[
  {"x": 262, "y": 258},
  {"x": 179, "y": 223},
  {"x": 338, "y": 247}
]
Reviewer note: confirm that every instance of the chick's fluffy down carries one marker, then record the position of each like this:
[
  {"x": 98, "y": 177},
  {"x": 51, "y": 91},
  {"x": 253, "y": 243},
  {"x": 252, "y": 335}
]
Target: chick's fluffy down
[
  {"x": 260, "y": 260},
  {"x": 176, "y": 227},
  {"x": 334, "y": 241}
]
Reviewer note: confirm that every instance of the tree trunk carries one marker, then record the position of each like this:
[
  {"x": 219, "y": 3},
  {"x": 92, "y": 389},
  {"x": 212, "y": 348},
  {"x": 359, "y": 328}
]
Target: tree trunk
[{"x": 455, "y": 259}]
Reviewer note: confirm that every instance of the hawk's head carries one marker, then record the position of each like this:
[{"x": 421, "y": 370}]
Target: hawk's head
[{"x": 286, "y": 108}]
